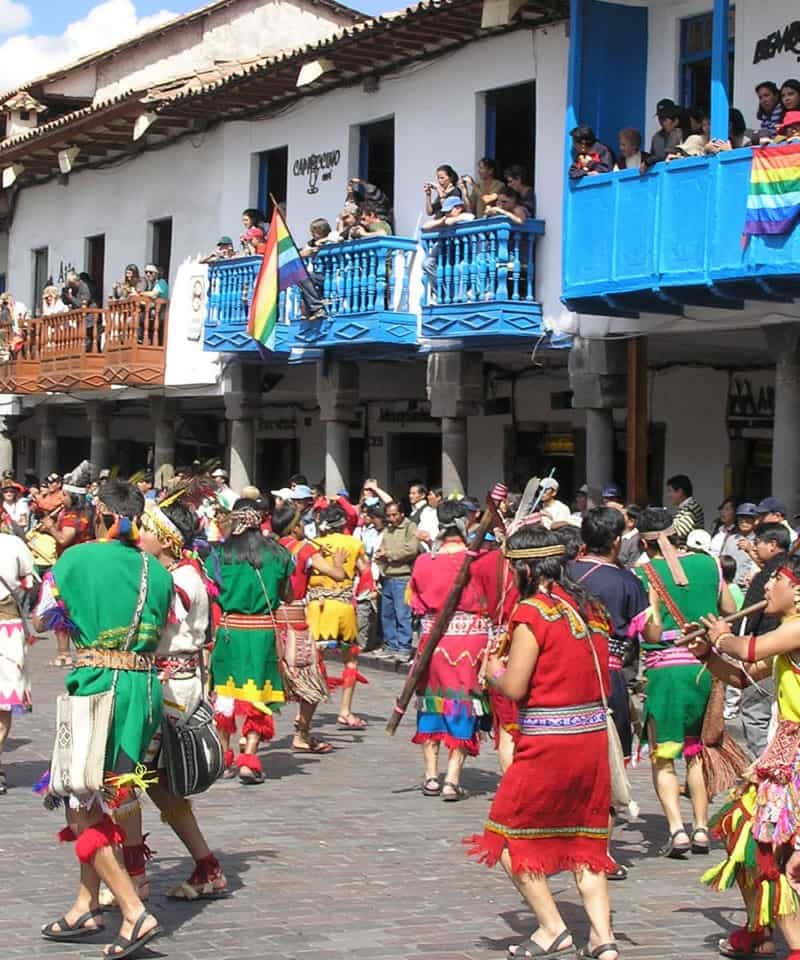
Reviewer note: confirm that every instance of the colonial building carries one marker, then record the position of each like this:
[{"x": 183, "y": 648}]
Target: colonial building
[{"x": 463, "y": 378}]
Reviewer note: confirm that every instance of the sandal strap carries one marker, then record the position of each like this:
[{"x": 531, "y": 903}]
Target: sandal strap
[
  {"x": 558, "y": 942},
  {"x": 603, "y": 948},
  {"x": 137, "y": 927}
]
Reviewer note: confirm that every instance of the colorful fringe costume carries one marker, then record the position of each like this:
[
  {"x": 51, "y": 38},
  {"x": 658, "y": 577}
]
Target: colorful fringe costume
[
  {"x": 760, "y": 825},
  {"x": 244, "y": 664},
  {"x": 551, "y": 808},
  {"x": 678, "y": 687},
  {"x": 331, "y": 610},
  {"x": 450, "y": 702}
]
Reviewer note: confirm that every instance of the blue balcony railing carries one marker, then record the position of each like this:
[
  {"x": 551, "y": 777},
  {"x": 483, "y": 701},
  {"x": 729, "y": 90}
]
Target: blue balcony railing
[
  {"x": 479, "y": 281},
  {"x": 669, "y": 238}
]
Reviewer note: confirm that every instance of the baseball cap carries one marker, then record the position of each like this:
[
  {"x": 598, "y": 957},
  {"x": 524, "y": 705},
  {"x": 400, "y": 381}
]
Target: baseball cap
[
  {"x": 771, "y": 505},
  {"x": 747, "y": 509},
  {"x": 450, "y": 203},
  {"x": 665, "y": 106},
  {"x": 469, "y": 504},
  {"x": 301, "y": 492},
  {"x": 285, "y": 493},
  {"x": 104, "y": 474},
  {"x": 584, "y": 488},
  {"x": 549, "y": 483},
  {"x": 699, "y": 540},
  {"x": 224, "y": 242},
  {"x": 219, "y": 472},
  {"x": 611, "y": 492},
  {"x": 53, "y": 478},
  {"x": 790, "y": 118}
]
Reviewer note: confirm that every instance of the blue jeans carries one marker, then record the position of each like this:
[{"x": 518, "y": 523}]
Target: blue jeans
[{"x": 396, "y": 615}]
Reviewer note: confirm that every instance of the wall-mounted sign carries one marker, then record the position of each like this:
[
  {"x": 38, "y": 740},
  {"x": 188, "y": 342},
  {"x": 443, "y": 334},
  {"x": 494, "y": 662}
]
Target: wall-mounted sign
[
  {"x": 558, "y": 445},
  {"x": 780, "y": 41},
  {"x": 316, "y": 166}
]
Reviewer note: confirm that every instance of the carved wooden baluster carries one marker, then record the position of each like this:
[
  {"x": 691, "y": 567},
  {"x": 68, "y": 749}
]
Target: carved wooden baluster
[
  {"x": 458, "y": 266},
  {"x": 363, "y": 274},
  {"x": 447, "y": 252},
  {"x": 515, "y": 264},
  {"x": 382, "y": 264},
  {"x": 501, "y": 288}
]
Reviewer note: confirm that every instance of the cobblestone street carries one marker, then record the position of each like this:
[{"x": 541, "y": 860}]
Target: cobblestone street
[{"x": 340, "y": 857}]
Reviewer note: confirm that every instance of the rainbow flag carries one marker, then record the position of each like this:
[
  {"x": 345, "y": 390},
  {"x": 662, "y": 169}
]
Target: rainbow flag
[
  {"x": 281, "y": 268},
  {"x": 773, "y": 205}
]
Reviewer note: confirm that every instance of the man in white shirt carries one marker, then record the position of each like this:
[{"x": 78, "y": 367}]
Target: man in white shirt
[
  {"x": 553, "y": 508},
  {"x": 224, "y": 494},
  {"x": 423, "y": 515}
]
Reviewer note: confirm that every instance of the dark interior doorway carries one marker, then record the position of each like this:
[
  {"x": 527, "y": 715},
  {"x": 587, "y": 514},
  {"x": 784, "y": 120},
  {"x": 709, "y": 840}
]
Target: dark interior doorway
[
  {"x": 414, "y": 456},
  {"x": 96, "y": 263},
  {"x": 376, "y": 154},
  {"x": 273, "y": 172},
  {"x": 162, "y": 244},
  {"x": 71, "y": 451},
  {"x": 511, "y": 126},
  {"x": 277, "y": 458}
]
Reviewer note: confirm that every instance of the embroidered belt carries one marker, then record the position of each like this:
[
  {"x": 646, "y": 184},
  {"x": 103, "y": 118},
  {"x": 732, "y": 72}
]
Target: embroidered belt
[
  {"x": 669, "y": 657},
  {"x": 248, "y": 621},
  {"x": 326, "y": 593},
  {"x": 582, "y": 718},
  {"x": 615, "y": 663},
  {"x": 115, "y": 660},
  {"x": 461, "y": 623},
  {"x": 291, "y": 613},
  {"x": 188, "y": 663}
]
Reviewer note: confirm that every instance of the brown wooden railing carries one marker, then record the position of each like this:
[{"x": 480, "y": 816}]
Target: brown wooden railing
[{"x": 87, "y": 349}]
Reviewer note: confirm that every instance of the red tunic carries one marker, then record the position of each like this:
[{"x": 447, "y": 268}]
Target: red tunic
[{"x": 551, "y": 808}]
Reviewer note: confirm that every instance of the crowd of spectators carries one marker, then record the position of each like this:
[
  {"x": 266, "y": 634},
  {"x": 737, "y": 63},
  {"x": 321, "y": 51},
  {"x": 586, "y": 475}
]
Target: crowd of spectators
[{"x": 686, "y": 133}]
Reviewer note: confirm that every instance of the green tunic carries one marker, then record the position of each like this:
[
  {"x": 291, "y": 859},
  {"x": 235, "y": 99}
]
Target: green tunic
[
  {"x": 677, "y": 695},
  {"x": 244, "y": 663},
  {"x": 98, "y": 583}
]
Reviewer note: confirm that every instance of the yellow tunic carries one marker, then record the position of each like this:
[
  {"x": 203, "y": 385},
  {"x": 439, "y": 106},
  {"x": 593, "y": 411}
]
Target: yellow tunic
[{"x": 331, "y": 614}]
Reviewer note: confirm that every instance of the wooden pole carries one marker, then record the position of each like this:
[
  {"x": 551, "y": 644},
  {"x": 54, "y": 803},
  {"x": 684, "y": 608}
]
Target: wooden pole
[{"x": 637, "y": 423}]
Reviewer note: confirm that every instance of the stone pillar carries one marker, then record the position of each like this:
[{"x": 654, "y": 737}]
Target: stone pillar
[
  {"x": 47, "y": 460},
  {"x": 242, "y": 388},
  {"x": 163, "y": 413},
  {"x": 597, "y": 370},
  {"x": 98, "y": 413},
  {"x": 7, "y": 448},
  {"x": 784, "y": 345},
  {"x": 455, "y": 390},
  {"x": 337, "y": 395},
  {"x": 599, "y": 448}
]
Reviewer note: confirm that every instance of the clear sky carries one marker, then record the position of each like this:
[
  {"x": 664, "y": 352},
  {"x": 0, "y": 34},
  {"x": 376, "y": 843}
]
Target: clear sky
[{"x": 38, "y": 36}]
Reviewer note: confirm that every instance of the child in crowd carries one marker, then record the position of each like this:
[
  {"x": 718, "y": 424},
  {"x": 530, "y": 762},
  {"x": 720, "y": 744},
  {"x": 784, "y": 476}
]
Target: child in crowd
[{"x": 311, "y": 288}]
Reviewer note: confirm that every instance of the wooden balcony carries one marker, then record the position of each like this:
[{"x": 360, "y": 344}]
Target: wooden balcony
[{"x": 88, "y": 349}]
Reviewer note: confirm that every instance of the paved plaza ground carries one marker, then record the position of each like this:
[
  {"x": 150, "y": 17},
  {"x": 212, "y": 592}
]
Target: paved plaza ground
[{"x": 340, "y": 858}]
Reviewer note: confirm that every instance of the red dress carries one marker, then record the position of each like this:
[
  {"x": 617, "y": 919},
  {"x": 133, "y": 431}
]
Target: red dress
[{"x": 551, "y": 808}]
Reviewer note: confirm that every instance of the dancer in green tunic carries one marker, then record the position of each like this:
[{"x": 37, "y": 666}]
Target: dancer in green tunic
[
  {"x": 99, "y": 591},
  {"x": 252, "y": 573}
]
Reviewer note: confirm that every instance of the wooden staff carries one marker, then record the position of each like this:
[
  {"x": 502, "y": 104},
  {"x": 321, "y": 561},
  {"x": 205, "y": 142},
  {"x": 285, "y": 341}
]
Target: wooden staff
[
  {"x": 695, "y": 634},
  {"x": 488, "y": 520}
]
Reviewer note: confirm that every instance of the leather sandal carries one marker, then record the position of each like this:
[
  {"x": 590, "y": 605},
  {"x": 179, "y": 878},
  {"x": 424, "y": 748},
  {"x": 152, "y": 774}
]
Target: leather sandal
[
  {"x": 74, "y": 931},
  {"x": 700, "y": 848},
  {"x": 598, "y": 952},
  {"x": 457, "y": 792},
  {"x": 675, "y": 851},
  {"x": 431, "y": 787},
  {"x": 529, "y": 948},
  {"x": 130, "y": 946}
]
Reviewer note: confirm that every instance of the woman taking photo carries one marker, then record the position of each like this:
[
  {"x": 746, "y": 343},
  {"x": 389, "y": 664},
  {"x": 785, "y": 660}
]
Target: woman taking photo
[
  {"x": 550, "y": 812},
  {"x": 760, "y": 825},
  {"x": 252, "y": 573},
  {"x": 446, "y": 186}
]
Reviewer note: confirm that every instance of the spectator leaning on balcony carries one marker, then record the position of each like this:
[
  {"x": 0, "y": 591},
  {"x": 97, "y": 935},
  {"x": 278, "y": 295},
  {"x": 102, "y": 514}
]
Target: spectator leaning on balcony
[
  {"x": 156, "y": 286},
  {"x": 347, "y": 221},
  {"x": 589, "y": 156},
  {"x": 52, "y": 302},
  {"x": 370, "y": 223},
  {"x": 453, "y": 210},
  {"x": 517, "y": 178},
  {"x": 361, "y": 192},
  {"x": 487, "y": 187},
  {"x": 631, "y": 155},
  {"x": 770, "y": 110},
  {"x": 224, "y": 251},
  {"x": 132, "y": 283},
  {"x": 253, "y": 243},
  {"x": 790, "y": 95},
  {"x": 696, "y": 135},
  {"x": 737, "y": 135},
  {"x": 76, "y": 292},
  {"x": 669, "y": 134},
  {"x": 790, "y": 128},
  {"x": 250, "y": 218},
  {"x": 311, "y": 287},
  {"x": 446, "y": 186},
  {"x": 508, "y": 204}
]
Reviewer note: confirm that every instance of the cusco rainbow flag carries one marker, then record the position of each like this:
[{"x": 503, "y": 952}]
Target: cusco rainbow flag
[
  {"x": 282, "y": 267},
  {"x": 773, "y": 206}
]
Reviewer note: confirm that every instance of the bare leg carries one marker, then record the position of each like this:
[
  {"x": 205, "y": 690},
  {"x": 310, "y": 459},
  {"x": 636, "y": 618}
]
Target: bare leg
[
  {"x": 305, "y": 714},
  {"x": 505, "y": 750},
  {"x": 455, "y": 765},
  {"x": 185, "y": 826},
  {"x": 350, "y": 664},
  {"x": 536, "y": 893},
  {"x": 253, "y": 740},
  {"x": 697, "y": 792},
  {"x": 5, "y": 727},
  {"x": 593, "y": 888},
  {"x": 430, "y": 757},
  {"x": 665, "y": 781}
]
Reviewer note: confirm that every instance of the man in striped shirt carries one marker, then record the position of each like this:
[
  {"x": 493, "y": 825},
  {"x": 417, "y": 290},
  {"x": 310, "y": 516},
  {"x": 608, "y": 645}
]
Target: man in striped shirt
[{"x": 687, "y": 512}]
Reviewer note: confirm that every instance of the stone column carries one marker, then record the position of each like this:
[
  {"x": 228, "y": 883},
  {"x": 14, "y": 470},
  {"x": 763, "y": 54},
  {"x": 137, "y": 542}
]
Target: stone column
[
  {"x": 7, "y": 448},
  {"x": 597, "y": 370},
  {"x": 242, "y": 406},
  {"x": 47, "y": 460},
  {"x": 784, "y": 345},
  {"x": 162, "y": 412},
  {"x": 337, "y": 395},
  {"x": 455, "y": 390},
  {"x": 98, "y": 413}
]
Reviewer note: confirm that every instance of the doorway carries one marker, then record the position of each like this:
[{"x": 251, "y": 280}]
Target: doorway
[
  {"x": 273, "y": 172},
  {"x": 532, "y": 452},
  {"x": 414, "y": 456},
  {"x": 40, "y": 277},
  {"x": 96, "y": 264},
  {"x": 696, "y": 33},
  {"x": 161, "y": 247},
  {"x": 277, "y": 458},
  {"x": 376, "y": 154},
  {"x": 511, "y": 127}
]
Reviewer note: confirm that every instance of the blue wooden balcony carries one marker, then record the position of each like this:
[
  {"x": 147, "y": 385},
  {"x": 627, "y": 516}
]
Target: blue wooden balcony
[
  {"x": 365, "y": 287},
  {"x": 672, "y": 238},
  {"x": 479, "y": 283}
]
